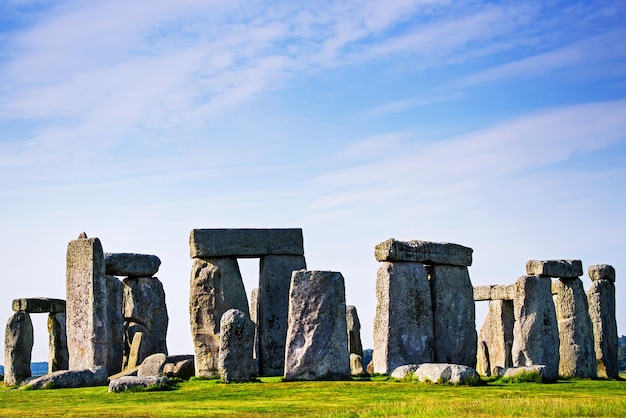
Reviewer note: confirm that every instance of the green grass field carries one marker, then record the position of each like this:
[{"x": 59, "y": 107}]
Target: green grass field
[{"x": 373, "y": 398}]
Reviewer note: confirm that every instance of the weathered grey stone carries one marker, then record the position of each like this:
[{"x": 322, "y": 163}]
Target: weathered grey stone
[
  {"x": 403, "y": 326},
  {"x": 454, "y": 317},
  {"x": 131, "y": 265},
  {"x": 491, "y": 292},
  {"x": 18, "y": 346},
  {"x": 577, "y": 355},
  {"x": 236, "y": 345},
  {"x": 126, "y": 383},
  {"x": 496, "y": 337},
  {"x": 555, "y": 268},
  {"x": 602, "y": 272},
  {"x": 437, "y": 373},
  {"x": 115, "y": 318},
  {"x": 601, "y": 297},
  {"x": 86, "y": 310},
  {"x": 425, "y": 252},
  {"x": 137, "y": 349},
  {"x": 152, "y": 365},
  {"x": 144, "y": 303},
  {"x": 216, "y": 286},
  {"x": 356, "y": 364},
  {"x": 209, "y": 243},
  {"x": 511, "y": 372},
  {"x": 317, "y": 337},
  {"x": 181, "y": 366},
  {"x": 354, "y": 331},
  {"x": 535, "y": 334},
  {"x": 63, "y": 379},
  {"x": 38, "y": 305},
  {"x": 58, "y": 358},
  {"x": 273, "y": 309}
]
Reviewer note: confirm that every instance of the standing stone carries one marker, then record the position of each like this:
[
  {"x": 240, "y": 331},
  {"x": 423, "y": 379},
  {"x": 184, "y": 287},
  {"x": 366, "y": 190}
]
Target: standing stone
[
  {"x": 58, "y": 358},
  {"x": 403, "y": 326},
  {"x": 18, "y": 346},
  {"x": 138, "y": 350},
  {"x": 216, "y": 286},
  {"x": 601, "y": 297},
  {"x": 356, "y": 364},
  {"x": 354, "y": 331},
  {"x": 495, "y": 336},
  {"x": 144, "y": 303},
  {"x": 87, "y": 323},
  {"x": 254, "y": 316},
  {"x": 536, "y": 333},
  {"x": 577, "y": 355},
  {"x": 317, "y": 336},
  {"x": 115, "y": 295},
  {"x": 454, "y": 315},
  {"x": 236, "y": 345}
]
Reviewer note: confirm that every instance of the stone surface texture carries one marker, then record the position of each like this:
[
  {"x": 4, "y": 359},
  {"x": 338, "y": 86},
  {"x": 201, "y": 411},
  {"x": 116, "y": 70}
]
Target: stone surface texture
[
  {"x": 216, "y": 286},
  {"x": 454, "y": 317},
  {"x": 317, "y": 337},
  {"x": 236, "y": 347},
  {"x": 152, "y": 365},
  {"x": 18, "y": 345},
  {"x": 64, "y": 379},
  {"x": 273, "y": 310},
  {"x": 601, "y": 272},
  {"x": 425, "y": 252},
  {"x": 136, "y": 348},
  {"x": 403, "y": 325},
  {"x": 577, "y": 354},
  {"x": 126, "y": 383},
  {"x": 495, "y": 338},
  {"x": 555, "y": 268},
  {"x": 536, "y": 333},
  {"x": 354, "y": 331},
  {"x": 516, "y": 371},
  {"x": 491, "y": 292},
  {"x": 115, "y": 318},
  {"x": 181, "y": 366},
  {"x": 86, "y": 310},
  {"x": 131, "y": 265},
  {"x": 210, "y": 243},
  {"x": 601, "y": 298},
  {"x": 356, "y": 364},
  {"x": 58, "y": 358},
  {"x": 38, "y": 305},
  {"x": 437, "y": 373}
]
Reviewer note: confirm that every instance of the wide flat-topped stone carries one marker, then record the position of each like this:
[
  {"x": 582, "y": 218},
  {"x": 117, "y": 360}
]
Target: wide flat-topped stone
[
  {"x": 131, "y": 265},
  {"x": 424, "y": 252},
  {"x": 554, "y": 268},
  {"x": 206, "y": 243},
  {"x": 39, "y": 305},
  {"x": 601, "y": 272}
]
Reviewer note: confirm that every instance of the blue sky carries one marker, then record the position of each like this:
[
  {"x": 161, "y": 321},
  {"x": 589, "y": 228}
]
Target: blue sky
[{"x": 496, "y": 125}]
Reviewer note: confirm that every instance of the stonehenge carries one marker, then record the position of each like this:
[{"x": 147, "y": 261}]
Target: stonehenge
[{"x": 601, "y": 297}]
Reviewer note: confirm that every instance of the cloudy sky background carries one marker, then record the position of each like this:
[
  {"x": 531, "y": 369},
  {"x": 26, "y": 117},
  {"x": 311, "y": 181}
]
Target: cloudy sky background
[{"x": 496, "y": 125}]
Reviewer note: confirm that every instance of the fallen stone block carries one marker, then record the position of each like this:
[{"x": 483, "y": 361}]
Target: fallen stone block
[
  {"x": 152, "y": 365},
  {"x": 601, "y": 272},
  {"x": 131, "y": 265},
  {"x": 208, "y": 243},
  {"x": 62, "y": 379},
  {"x": 540, "y": 369},
  {"x": 181, "y": 366},
  {"x": 129, "y": 383},
  {"x": 128, "y": 372},
  {"x": 39, "y": 305},
  {"x": 555, "y": 268},
  {"x": 425, "y": 252},
  {"x": 438, "y": 373}
]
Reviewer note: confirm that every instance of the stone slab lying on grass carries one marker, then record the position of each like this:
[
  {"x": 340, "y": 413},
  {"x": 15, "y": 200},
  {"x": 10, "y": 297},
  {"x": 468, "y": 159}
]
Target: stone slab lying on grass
[
  {"x": 152, "y": 365},
  {"x": 424, "y": 252},
  {"x": 438, "y": 373},
  {"x": 62, "y": 379},
  {"x": 512, "y": 372},
  {"x": 127, "y": 383},
  {"x": 181, "y": 366}
]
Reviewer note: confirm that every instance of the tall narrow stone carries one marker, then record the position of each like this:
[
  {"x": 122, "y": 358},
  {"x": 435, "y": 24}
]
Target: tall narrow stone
[
  {"x": 577, "y": 355},
  {"x": 317, "y": 336},
  {"x": 18, "y": 346},
  {"x": 601, "y": 297},
  {"x": 454, "y": 315},
  {"x": 273, "y": 309},
  {"x": 58, "y": 357},
  {"x": 236, "y": 344},
  {"x": 115, "y": 295},
  {"x": 495, "y": 334},
  {"x": 403, "y": 326},
  {"x": 536, "y": 333},
  {"x": 354, "y": 331},
  {"x": 87, "y": 323},
  {"x": 254, "y": 316},
  {"x": 216, "y": 286}
]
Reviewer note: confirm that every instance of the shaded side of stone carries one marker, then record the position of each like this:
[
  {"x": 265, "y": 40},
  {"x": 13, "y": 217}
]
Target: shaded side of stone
[
  {"x": 554, "y": 268},
  {"x": 131, "y": 265},
  {"x": 273, "y": 310},
  {"x": 496, "y": 337},
  {"x": 577, "y": 355},
  {"x": 236, "y": 346},
  {"x": 38, "y": 305},
  {"x": 535, "y": 334},
  {"x": 601, "y": 297},
  {"x": 209, "y": 243},
  {"x": 180, "y": 366},
  {"x": 58, "y": 356},
  {"x": 152, "y": 365},
  {"x": 216, "y": 286},
  {"x": 317, "y": 337},
  {"x": 403, "y": 326},
  {"x": 115, "y": 296},
  {"x": 425, "y": 252},
  {"x": 354, "y": 331},
  {"x": 454, "y": 317},
  {"x": 254, "y": 316},
  {"x": 18, "y": 347}
]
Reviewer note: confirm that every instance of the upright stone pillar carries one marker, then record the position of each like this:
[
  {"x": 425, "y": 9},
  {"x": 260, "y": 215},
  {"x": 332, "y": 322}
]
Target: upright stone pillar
[
  {"x": 236, "y": 346},
  {"x": 601, "y": 297},
  {"x": 354, "y": 331},
  {"x": 273, "y": 305},
  {"x": 403, "y": 326},
  {"x": 496, "y": 337},
  {"x": 317, "y": 336},
  {"x": 115, "y": 296},
  {"x": 216, "y": 286},
  {"x": 18, "y": 347},
  {"x": 58, "y": 357},
  {"x": 87, "y": 323}
]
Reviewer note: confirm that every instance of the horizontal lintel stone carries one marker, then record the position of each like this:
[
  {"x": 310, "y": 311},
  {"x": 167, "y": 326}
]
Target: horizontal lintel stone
[
  {"x": 38, "y": 305},
  {"x": 554, "y": 268},
  {"x": 245, "y": 243},
  {"x": 494, "y": 292},
  {"x": 424, "y": 252},
  {"x": 131, "y": 264},
  {"x": 482, "y": 292}
]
